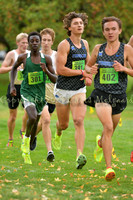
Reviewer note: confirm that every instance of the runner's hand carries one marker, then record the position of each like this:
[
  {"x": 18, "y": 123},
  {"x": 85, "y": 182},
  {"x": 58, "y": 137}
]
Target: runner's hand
[
  {"x": 88, "y": 81},
  {"x": 43, "y": 66},
  {"x": 94, "y": 69},
  {"x": 13, "y": 91},
  {"x": 118, "y": 67},
  {"x": 86, "y": 76}
]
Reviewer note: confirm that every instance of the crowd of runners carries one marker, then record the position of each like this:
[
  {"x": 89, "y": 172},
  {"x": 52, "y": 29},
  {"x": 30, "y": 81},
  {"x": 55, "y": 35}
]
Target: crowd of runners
[{"x": 43, "y": 79}]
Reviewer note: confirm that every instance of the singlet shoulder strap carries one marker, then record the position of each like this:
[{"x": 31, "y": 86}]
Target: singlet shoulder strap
[
  {"x": 102, "y": 46},
  {"x": 53, "y": 53},
  {"x": 71, "y": 43},
  {"x": 42, "y": 55},
  {"x": 82, "y": 44},
  {"x": 15, "y": 54},
  {"x": 69, "y": 40},
  {"x": 28, "y": 54},
  {"x": 122, "y": 45}
]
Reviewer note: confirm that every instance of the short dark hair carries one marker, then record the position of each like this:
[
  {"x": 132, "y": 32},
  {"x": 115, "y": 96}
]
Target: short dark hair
[
  {"x": 110, "y": 19},
  {"x": 70, "y": 16},
  {"x": 34, "y": 33}
]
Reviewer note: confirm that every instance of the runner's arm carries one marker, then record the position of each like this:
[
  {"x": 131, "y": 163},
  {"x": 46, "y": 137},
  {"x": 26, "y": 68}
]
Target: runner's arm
[
  {"x": 7, "y": 63},
  {"x": 48, "y": 69},
  {"x": 91, "y": 66},
  {"x": 61, "y": 59},
  {"x": 88, "y": 81},
  {"x": 18, "y": 62},
  {"x": 131, "y": 41},
  {"x": 128, "y": 57}
]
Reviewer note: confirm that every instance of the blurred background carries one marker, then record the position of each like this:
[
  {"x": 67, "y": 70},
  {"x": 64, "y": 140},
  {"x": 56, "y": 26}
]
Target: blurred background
[{"x": 33, "y": 15}]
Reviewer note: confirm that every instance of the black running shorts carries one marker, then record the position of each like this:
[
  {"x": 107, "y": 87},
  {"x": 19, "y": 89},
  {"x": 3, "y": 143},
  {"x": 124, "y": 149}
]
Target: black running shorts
[
  {"x": 118, "y": 102},
  {"x": 13, "y": 102}
]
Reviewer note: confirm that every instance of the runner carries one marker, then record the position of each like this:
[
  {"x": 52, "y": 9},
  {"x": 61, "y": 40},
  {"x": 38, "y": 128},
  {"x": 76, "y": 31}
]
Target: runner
[
  {"x": 36, "y": 66},
  {"x": 108, "y": 62},
  {"x": 48, "y": 36},
  {"x": 131, "y": 41},
  {"x": 70, "y": 90},
  {"x": 13, "y": 102},
  {"x": 131, "y": 44}
]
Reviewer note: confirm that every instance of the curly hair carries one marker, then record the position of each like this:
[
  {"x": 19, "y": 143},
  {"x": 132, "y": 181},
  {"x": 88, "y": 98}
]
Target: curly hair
[{"x": 70, "y": 16}]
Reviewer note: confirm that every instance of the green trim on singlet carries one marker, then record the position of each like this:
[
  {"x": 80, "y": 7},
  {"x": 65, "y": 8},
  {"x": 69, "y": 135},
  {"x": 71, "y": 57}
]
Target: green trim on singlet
[{"x": 34, "y": 91}]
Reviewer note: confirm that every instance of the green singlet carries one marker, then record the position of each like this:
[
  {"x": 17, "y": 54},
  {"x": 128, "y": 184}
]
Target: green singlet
[{"x": 33, "y": 85}]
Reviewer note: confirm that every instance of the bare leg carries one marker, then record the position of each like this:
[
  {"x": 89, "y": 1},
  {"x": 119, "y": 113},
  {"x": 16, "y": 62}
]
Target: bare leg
[
  {"x": 11, "y": 122},
  {"x": 32, "y": 122},
  {"x": 78, "y": 109},
  {"x": 24, "y": 121},
  {"x": 31, "y": 128},
  {"x": 116, "y": 119},
  {"x": 46, "y": 128},
  {"x": 63, "y": 117},
  {"x": 104, "y": 113},
  {"x": 39, "y": 127}
]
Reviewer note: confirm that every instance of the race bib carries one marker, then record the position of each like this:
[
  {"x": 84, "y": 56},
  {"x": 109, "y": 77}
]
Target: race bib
[
  {"x": 35, "y": 77},
  {"x": 108, "y": 76},
  {"x": 80, "y": 64}
]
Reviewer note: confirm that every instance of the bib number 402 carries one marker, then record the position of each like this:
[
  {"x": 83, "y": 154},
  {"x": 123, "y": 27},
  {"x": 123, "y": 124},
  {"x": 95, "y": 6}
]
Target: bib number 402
[{"x": 108, "y": 77}]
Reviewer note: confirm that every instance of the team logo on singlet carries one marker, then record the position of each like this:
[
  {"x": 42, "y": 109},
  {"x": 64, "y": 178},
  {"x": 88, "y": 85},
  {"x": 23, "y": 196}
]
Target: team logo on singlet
[
  {"x": 100, "y": 53},
  {"x": 118, "y": 55},
  {"x": 83, "y": 48},
  {"x": 79, "y": 56},
  {"x": 72, "y": 47}
]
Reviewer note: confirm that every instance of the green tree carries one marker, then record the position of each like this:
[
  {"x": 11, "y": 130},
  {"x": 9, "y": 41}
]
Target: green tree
[{"x": 33, "y": 15}]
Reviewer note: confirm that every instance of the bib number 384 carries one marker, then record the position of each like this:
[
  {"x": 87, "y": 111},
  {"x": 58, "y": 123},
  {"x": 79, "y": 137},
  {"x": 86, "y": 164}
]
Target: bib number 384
[{"x": 108, "y": 76}]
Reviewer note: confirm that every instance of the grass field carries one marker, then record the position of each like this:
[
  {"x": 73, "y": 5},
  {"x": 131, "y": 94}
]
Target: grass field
[{"x": 61, "y": 180}]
